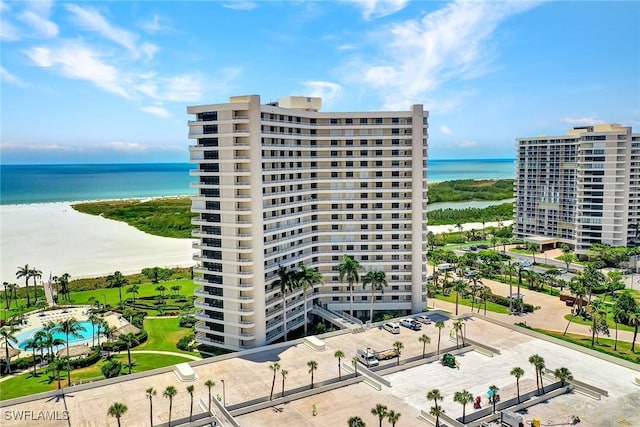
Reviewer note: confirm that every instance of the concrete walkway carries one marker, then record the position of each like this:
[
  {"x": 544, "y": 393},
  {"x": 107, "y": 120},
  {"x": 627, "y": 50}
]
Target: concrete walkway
[{"x": 166, "y": 353}]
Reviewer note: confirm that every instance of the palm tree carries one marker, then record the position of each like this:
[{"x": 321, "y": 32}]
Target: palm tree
[
  {"x": 424, "y": 339},
  {"x": 598, "y": 312},
  {"x": 58, "y": 365},
  {"x": 577, "y": 288},
  {"x": 348, "y": 270},
  {"x": 511, "y": 270},
  {"x": 275, "y": 367},
  {"x": 434, "y": 395},
  {"x": 633, "y": 318},
  {"x": 354, "y": 362},
  {"x": 457, "y": 327},
  {"x": 380, "y": 411},
  {"x": 439, "y": 325},
  {"x": 190, "y": 389},
  {"x": 463, "y": 397},
  {"x": 517, "y": 372},
  {"x": 117, "y": 410},
  {"x": 284, "y": 374},
  {"x": 150, "y": 392},
  {"x": 64, "y": 285},
  {"x": 169, "y": 393},
  {"x": 459, "y": 286},
  {"x": 377, "y": 280},
  {"x": 313, "y": 365},
  {"x": 436, "y": 411},
  {"x": 176, "y": 290},
  {"x": 209, "y": 384},
  {"x": 94, "y": 319},
  {"x": 494, "y": 394},
  {"x": 133, "y": 290},
  {"x": 35, "y": 274},
  {"x": 70, "y": 327},
  {"x": 355, "y": 422},
  {"x": 131, "y": 340},
  {"x": 485, "y": 293},
  {"x": 8, "y": 334},
  {"x": 7, "y": 296},
  {"x": 339, "y": 354},
  {"x": 307, "y": 278},
  {"x": 538, "y": 362},
  {"x": 398, "y": 345},
  {"x": 563, "y": 374},
  {"x": 285, "y": 282},
  {"x": 117, "y": 280},
  {"x": 161, "y": 289},
  {"x": 393, "y": 417},
  {"x": 34, "y": 344},
  {"x": 26, "y": 273}
]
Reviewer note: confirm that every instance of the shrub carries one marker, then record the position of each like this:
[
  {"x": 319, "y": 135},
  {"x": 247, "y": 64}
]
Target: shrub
[
  {"x": 86, "y": 361},
  {"x": 185, "y": 342},
  {"x": 111, "y": 369},
  {"x": 24, "y": 362}
]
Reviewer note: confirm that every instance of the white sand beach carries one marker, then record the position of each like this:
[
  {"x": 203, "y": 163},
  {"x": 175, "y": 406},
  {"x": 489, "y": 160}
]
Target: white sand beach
[
  {"x": 437, "y": 229},
  {"x": 57, "y": 239}
]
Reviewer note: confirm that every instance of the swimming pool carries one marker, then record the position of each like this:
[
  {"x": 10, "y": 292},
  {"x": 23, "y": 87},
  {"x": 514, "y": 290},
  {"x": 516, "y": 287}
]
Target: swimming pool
[{"x": 85, "y": 336}]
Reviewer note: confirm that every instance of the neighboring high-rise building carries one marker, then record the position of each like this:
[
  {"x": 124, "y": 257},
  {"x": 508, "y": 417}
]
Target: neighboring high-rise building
[
  {"x": 579, "y": 189},
  {"x": 282, "y": 184}
]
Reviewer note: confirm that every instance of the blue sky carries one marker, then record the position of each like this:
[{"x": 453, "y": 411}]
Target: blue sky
[{"x": 110, "y": 81}]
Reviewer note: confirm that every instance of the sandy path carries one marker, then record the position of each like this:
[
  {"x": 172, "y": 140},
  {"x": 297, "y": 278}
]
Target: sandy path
[{"x": 56, "y": 239}]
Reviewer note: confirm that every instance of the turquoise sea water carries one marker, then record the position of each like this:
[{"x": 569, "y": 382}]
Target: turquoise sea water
[{"x": 21, "y": 184}]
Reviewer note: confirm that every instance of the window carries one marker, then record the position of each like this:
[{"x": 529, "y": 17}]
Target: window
[
  {"x": 363, "y": 121},
  {"x": 208, "y": 116},
  {"x": 364, "y": 163},
  {"x": 348, "y": 121},
  {"x": 209, "y": 129}
]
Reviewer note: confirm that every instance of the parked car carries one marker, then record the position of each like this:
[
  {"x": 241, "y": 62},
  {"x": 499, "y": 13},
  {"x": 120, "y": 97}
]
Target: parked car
[
  {"x": 411, "y": 324},
  {"x": 562, "y": 271},
  {"x": 423, "y": 318},
  {"x": 525, "y": 263},
  {"x": 391, "y": 327},
  {"x": 367, "y": 358},
  {"x": 483, "y": 246}
]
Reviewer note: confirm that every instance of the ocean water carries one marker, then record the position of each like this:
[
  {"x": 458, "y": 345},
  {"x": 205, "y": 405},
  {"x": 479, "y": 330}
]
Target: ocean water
[{"x": 20, "y": 184}]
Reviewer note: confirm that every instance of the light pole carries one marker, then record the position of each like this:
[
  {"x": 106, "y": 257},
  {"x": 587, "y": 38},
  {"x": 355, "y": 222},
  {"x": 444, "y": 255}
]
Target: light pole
[
  {"x": 224, "y": 395},
  {"x": 105, "y": 300}
]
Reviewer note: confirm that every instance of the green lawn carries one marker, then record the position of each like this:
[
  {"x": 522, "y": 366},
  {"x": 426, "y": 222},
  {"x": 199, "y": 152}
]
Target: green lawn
[
  {"x": 164, "y": 334},
  {"x": 467, "y": 302},
  {"x": 612, "y": 326},
  {"x": 26, "y": 384}
]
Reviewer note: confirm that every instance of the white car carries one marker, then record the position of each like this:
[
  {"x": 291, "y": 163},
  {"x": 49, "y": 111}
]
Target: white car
[
  {"x": 423, "y": 318},
  {"x": 411, "y": 324},
  {"x": 391, "y": 327}
]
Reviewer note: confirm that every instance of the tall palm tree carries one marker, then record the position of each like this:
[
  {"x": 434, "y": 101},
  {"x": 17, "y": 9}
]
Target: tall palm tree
[
  {"x": 161, "y": 289},
  {"x": 577, "y": 288},
  {"x": 393, "y": 417},
  {"x": 64, "y": 285},
  {"x": 435, "y": 395},
  {"x": 510, "y": 270},
  {"x": 355, "y": 422},
  {"x": 275, "y": 367},
  {"x": 7, "y": 295},
  {"x": 285, "y": 282},
  {"x": 398, "y": 345},
  {"x": 8, "y": 334},
  {"x": 26, "y": 273},
  {"x": 313, "y": 365},
  {"x": 70, "y": 327},
  {"x": 439, "y": 325},
  {"x": 377, "y": 280},
  {"x": 380, "y": 411},
  {"x": 131, "y": 340},
  {"x": 459, "y": 286},
  {"x": 95, "y": 320},
  {"x": 307, "y": 278},
  {"x": 190, "y": 389},
  {"x": 437, "y": 411},
  {"x": 284, "y": 374},
  {"x": 58, "y": 365},
  {"x": 538, "y": 362},
  {"x": 563, "y": 374},
  {"x": 339, "y": 354},
  {"x": 35, "y": 275},
  {"x": 634, "y": 320},
  {"x": 117, "y": 410},
  {"x": 484, "y": 294},
  {"x": 494, "y": 390},
  {"x": 150, "y": 392},
  {"x": 34, "y": 344},
  {"x": 12, "y": 293},
  {"x": 170, "y": 393},
  {"x": 598, "y": 313},
  {"x": 463, "y": 397},
  {"x": 517, "y": 372},
  {"x": 348, "y": 270},
  {"x": 457, "y": 327},
  {"x": 133, "y": 290},
  {"x": 117, "y": 280},
  {"x": 209, "y": 384},
  {"x": 424, "y": 339}
]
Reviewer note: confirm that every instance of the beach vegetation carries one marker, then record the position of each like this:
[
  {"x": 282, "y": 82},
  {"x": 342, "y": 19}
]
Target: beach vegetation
[
  {"x": 452, "y": 216},
  {"x": 470, "y": 189}
]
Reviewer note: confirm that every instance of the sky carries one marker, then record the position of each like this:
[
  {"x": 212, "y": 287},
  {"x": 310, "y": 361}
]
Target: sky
[{"x": 100, "y": 82}]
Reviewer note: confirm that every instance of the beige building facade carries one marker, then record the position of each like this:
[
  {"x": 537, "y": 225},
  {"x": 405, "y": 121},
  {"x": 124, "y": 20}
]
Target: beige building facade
[
  {"x": 283, "y": 183},
  {"x": 580, "y": 188}
]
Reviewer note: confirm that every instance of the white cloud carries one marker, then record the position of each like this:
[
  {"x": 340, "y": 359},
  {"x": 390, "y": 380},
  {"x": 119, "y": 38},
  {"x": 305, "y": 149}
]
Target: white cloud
[
  {"x": 582, "y": 121},
  {"x": 241, "y": 5},
  {"x": 113, "y": 146},
  {"x": 186, "y": 87},
  {"x": 12, "y": 146},
  {"x": 445, "y": 129},
  {"x": 155, "y": 26},
  {"x": 465, "y": 143},
  {"x": 126, "y": 147},
  {"x": 346, "y": 47},
  {"x": 379, "y": 8},
  {"x": 328, "y": 91},
  {"x": 157, "y": 111},
  {"x": 92, "y": 20},
  {"x": 37, "y": 17},
  {"x": 7, "y": 77},
  {"x": 76, "y": 61},
  {"x": 417, "y": 56}
]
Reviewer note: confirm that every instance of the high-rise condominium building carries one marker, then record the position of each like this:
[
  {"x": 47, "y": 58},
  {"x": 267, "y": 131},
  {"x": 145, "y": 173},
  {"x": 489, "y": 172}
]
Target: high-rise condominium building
[
  {"x": 579, "y": 189},
  {"x": 281, "y": 184}
]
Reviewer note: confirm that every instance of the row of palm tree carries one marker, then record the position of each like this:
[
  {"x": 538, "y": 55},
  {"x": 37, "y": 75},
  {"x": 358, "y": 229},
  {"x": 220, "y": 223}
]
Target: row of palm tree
[
  {"x": 29, "y": 273},
  {"x": 382, "y": 412},
  {"x": 170, "y": 392}
]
